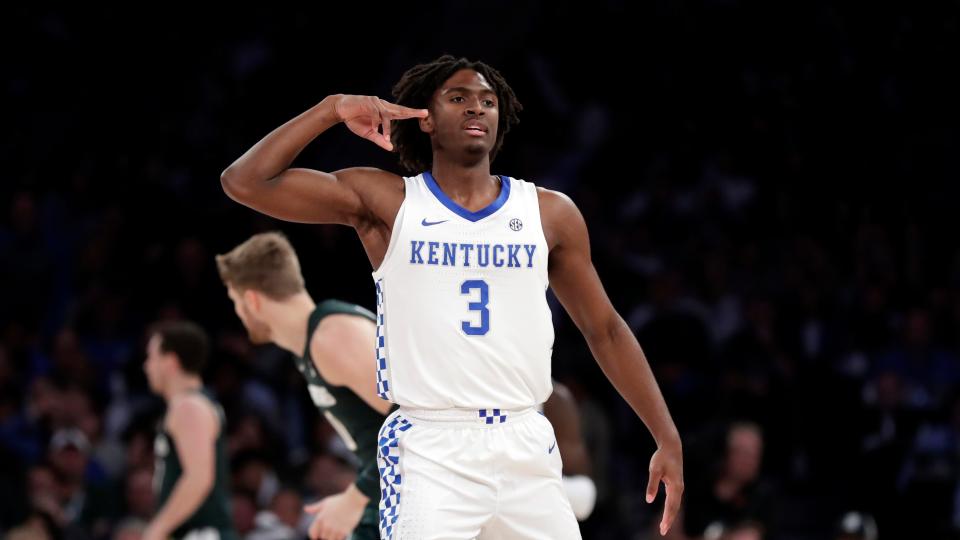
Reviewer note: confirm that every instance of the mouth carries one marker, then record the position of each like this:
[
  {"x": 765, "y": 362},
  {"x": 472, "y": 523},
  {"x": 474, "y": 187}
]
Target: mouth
[{"x": 475, "y": 129}]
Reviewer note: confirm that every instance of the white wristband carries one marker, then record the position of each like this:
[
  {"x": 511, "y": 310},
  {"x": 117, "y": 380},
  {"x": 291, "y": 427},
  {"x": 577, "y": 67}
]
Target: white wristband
[{"x": 582, "y": 495}]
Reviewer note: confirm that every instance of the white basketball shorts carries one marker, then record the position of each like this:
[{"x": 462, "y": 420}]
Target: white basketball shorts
[{"x": 460, "y": 474}]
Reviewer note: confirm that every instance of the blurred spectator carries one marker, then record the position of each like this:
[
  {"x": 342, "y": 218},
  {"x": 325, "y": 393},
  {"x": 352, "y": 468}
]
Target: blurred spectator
[
  {"x": 282, "y": 520},
  {"x": 856, "y": 526},
  {"x": 747, "y": 530},
  {"x": 244, "y": 509},
  {"x": 327, "y": 475},
  {"x": 252, "y": 473},
  {"x": 139, "y": 495},
  {"x": 69, "y": 457},
  {"x": 129, "y": 529},
  {"x": 736, "y": 494}
]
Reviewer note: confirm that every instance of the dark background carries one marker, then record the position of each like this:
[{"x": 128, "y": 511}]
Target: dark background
[{"x": 770, "y": 190}]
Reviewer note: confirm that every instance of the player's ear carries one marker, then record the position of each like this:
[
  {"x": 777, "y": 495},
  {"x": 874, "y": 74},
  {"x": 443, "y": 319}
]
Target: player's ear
[
  {"x": 426, "y": 124},
  {"x": 252, "y": 299}
]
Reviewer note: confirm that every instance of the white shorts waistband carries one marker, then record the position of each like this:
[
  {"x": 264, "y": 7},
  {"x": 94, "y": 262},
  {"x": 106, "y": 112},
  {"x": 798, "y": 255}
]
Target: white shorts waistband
[{"x": 484, "y": 417}]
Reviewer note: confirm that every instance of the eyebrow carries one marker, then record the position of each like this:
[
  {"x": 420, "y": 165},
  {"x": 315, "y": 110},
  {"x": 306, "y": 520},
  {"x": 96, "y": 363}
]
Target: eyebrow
[{"x": 466, "y": 90}]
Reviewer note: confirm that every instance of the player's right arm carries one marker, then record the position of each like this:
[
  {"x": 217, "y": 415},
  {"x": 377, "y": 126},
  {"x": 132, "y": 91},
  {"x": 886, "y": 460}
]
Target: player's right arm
[{"x": 263, "y": 180}]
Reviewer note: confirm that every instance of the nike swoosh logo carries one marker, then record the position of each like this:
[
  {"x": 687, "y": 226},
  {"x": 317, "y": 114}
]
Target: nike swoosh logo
[
  {"x": 552, "y": 446},
  {"x": 426, "y": 223}
]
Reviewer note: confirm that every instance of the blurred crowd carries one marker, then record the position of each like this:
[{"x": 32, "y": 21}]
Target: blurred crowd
[{"x": 770, "y": 193}]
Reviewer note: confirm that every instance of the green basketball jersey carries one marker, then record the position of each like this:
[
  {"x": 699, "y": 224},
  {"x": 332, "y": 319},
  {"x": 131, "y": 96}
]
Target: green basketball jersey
[
  {"x": 214, "y": 511},
  {"x": 354, "y": 420}
]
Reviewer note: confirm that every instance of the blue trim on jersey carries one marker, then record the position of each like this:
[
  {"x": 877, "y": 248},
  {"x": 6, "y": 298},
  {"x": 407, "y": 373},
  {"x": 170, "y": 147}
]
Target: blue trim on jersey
[
  {"x": 383, "y": 374},
  {"x": 463, "y": 212},
  {"x": 391, "y": 477}
]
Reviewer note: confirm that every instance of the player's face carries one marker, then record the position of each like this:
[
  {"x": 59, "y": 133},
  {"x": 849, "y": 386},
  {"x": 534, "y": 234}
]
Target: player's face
[
  {"x": 465, "y": 113},
  {"x": 154, "y": 365},
  {"x": 258, "y": 331}
]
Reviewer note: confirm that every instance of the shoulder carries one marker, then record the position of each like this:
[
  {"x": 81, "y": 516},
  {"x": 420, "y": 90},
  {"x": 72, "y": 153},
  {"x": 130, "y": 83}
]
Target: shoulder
[
  {"x": 335, "y": 328},
  {"x": 337, "y": 342},
  {"x": 561, "y": 219},
  {"x": 191, "y": 411},
  {"x": 190, "y": 403},
  {"x": 331, "y": 307},
  {"x": 555, "y": 201}
]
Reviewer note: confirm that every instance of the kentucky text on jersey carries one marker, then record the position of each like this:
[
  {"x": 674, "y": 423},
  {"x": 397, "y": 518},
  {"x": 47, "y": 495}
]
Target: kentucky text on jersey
[{"x": 481, "y": 255}]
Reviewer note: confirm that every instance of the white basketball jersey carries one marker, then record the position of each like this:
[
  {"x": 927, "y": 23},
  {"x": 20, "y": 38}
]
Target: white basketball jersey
[{"x": 462, "y": 314}]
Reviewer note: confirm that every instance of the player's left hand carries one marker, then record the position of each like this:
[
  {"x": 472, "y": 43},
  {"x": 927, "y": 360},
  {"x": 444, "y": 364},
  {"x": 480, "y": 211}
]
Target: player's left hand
[
  {"x": 337, "y": 515},
  {"x": 152, "y": 532},
  {"x": 666, "y": 465}
]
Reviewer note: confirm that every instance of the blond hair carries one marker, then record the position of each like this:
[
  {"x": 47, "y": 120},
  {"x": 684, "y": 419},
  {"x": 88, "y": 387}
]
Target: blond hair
[{"x": 266, "y": 262}]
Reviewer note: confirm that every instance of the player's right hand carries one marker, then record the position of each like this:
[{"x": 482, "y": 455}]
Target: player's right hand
[
  {"x": 363, "y": 115},
  {"x": 337, "y": 515}
]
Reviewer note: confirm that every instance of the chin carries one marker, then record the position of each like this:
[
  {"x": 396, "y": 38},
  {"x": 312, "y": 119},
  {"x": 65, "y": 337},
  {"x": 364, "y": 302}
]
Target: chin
[{"x": 477, "y": 149}]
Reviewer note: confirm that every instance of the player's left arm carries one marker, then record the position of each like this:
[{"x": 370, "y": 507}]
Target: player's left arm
[
  {"x": 193, "y": 425},
  {"x": 575, "y": 282}
]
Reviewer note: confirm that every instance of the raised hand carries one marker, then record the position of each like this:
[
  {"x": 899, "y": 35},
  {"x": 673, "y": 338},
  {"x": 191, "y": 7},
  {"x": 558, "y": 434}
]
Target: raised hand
[{"x": 364, "y": 115}]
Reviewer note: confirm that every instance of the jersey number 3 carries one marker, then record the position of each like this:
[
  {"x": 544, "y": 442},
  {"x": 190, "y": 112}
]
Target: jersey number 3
[{"x": 465, "y": 288}]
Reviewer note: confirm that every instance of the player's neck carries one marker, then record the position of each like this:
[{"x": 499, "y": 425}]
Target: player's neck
[
  {"x": 182, "y": 384},
  {"x": 465, "y": 184},
  {"x": 288, "y": 322}
]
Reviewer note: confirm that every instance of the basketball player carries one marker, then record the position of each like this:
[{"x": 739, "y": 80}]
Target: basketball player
[
  {"x": 191, "y": 472},
  {"x": 464, "y": 333},
  {"x": 331, "y": 345}
]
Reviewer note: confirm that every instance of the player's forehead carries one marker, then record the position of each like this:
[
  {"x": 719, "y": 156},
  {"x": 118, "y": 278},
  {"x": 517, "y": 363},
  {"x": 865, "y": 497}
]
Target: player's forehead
[{"x": 466, "y": 80}]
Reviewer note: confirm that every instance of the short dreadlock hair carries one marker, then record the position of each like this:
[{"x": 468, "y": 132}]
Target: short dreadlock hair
[{"x": 416, "y": 88}]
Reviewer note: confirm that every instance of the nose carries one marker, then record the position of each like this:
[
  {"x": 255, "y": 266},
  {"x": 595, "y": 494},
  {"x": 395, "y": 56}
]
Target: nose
[{"x": 474, "y": 108}]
